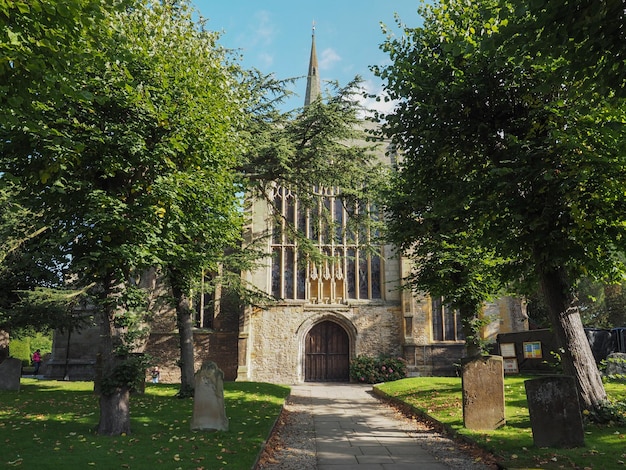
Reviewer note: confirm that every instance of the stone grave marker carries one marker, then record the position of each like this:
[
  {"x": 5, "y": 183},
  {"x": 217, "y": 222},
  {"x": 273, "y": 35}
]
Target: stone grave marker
[
  {"x": 483, "y": 392},
  {"x": 10, "y": 374},
  {"x": 209, "y": 409},
  {"x": 616, "y": 364},
  {"x": 554, "y": 411}
]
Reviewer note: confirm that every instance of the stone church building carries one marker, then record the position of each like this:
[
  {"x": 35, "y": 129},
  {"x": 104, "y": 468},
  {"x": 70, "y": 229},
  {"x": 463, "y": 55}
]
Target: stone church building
[{"x": 328, "y": 312}]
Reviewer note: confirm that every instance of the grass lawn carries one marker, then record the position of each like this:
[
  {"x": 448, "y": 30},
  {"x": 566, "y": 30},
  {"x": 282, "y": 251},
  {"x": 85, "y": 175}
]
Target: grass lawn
[
  {"x": 50, "y": 425},
  {"x": 441, "y": 398}
]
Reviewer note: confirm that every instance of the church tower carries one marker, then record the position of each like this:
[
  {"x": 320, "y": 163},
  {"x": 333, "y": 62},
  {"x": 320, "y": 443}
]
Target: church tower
[{"x": 313, "y": 88}]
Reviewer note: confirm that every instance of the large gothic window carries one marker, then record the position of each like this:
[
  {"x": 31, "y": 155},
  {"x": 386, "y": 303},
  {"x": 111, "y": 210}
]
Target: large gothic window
[
  {"x": 346, "y": 271},
  {"x": 446, "y": 322}
]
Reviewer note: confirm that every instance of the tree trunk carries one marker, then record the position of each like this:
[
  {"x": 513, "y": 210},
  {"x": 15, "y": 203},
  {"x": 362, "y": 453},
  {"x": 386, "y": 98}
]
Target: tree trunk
[
  {"x": 115, "y": 413},
  {"x": 471, "y": 321},
  {"x": 114, "y": 401},
  {"x": 614, "y": 300},
  {"x": 577, "y": 358},
  {"x": 184, "y": 317}
]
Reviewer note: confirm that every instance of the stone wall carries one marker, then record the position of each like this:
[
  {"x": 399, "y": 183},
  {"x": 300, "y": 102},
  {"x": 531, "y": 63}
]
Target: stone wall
[
  {"x": 275, "y": 338},
  {"x": 78, "y": 361},
  {"x": 440, "y": 359},
  {"x": 219, "y": 347}
]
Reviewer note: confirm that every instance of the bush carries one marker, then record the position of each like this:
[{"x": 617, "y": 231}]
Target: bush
[
  {"x": 370, "y": 370},
  {"x": 23, "y": 347},
  {"x": 604, "y": 367},
  {"x": 42, "y": 341},
  {"x": 611, "y": 412},
  {"x": 20, "y": 349}
]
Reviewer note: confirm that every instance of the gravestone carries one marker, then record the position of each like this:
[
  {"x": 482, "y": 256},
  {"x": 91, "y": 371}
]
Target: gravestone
[
  {"x": 10, "y": 374},
  {"x": 483, "y": 392},
  {"x": 209, "y": 409},
  {"x": 554, "y": 411},
  {"x": 615, "y": 364}
]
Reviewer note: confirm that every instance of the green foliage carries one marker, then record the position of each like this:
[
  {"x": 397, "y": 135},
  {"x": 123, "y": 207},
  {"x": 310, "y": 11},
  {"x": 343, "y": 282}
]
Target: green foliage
[
  {"x": 513, "y": 151},
  {"x": 613, "y": 377},
  {"x": 41, "y": 341},
  {"x": 499, "y": 139},
  {"x": 42, "y": 309},
  {"x": 371, "y": 370},
  {"x": 609, "y": 412},
  {"x": 24, "y": 346},
  {"x": 17, "y": 223},
  {"x": 128, "y": 125},
  {"x": 601, "y": 305},
  {"x": 427, "y": 200},
  {"x": 160, "y": 437},
  {"x": 474, "y": 325},
  {"x": 312, "y": 148},
  {"x": 128, "y": 372},
  {"x": 588, "y": 33},
  {"x": 556, "y": 364},
  {"x": 21, "y": 349}
]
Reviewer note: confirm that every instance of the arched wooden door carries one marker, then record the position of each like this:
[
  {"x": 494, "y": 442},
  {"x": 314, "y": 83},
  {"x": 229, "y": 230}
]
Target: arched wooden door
[{"x": 327, "y": 354}]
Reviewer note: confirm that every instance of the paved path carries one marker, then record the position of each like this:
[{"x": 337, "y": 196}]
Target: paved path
[{"x": 352, "y": 429}]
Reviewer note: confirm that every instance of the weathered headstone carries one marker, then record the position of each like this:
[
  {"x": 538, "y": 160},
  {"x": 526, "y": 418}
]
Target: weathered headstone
[
  {"x": 483, "y": 392},
  {"x": 615, "y": 364},
  {"x": 555, "y": 415},
  {"x": 10, "y": 374},
  {"x": 209, "y": 409}
]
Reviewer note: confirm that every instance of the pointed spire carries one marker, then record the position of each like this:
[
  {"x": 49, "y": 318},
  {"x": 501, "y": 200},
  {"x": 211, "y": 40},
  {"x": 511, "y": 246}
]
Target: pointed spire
[{"x": 313, "y": 79}]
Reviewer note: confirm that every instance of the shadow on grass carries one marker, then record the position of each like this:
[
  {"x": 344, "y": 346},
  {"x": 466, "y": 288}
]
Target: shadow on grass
[{"x": 50, "y": 425}]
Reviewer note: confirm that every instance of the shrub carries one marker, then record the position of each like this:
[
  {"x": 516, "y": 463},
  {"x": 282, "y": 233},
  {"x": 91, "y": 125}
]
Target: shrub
[
  {"x": 23, "y": 347},
  {"x": 611, "y": 412},
  {"x": 370, "y": 370},
  {"x": 42, "y": 341},
  {"x": 604, "y": 366},
  {"x": 20, "y": 349}
]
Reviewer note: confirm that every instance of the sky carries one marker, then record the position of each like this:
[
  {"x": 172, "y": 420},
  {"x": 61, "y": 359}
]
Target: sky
[{"x": 274, "y": 36}]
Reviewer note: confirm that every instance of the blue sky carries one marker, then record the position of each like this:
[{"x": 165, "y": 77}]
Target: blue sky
[{"x": 274, "y": 36}]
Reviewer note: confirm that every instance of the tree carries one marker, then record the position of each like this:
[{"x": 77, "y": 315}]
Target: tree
[
  {"x": 590, "y": 34},
  {"x": 537, "y": 166},
  {"x": 38, "y": 39},
  {"x": 33, "y": 295},
  {"x": 201, "y": 213},
  {"x": 298, "y": 149},
  {"x": 203, "y": 222},
  {"x": 17, "y": 224},
  {"x": 99, "y": 163},
  {"x": 324, "y": 144},
  {"x": 447, "y": 258}
]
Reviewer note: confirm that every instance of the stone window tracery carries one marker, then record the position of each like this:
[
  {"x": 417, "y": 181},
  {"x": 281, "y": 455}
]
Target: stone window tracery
[{"x": 346, "y": 270}]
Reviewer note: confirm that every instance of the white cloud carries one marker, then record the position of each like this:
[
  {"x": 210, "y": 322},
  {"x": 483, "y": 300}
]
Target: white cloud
[
  {"x": 266, "y": 60},
  {"x": 265, "y": 30},
  {"x": 375, "y": 101},
  {"x": 328, "y": 58}
]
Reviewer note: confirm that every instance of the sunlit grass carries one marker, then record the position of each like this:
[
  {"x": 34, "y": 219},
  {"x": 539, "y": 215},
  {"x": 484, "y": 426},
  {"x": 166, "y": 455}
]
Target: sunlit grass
[
  {"x": 50, "y": 425},
  {"x": 440, "y": 398}
]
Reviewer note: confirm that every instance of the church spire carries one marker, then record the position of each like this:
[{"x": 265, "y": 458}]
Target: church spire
[{"x": 313, "y": 79}]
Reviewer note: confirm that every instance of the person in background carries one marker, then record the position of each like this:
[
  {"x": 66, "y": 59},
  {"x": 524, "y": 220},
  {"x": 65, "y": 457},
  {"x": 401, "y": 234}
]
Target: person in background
[
  {"x": 36, "y": 361},
  {"x": 156, "y": 374}
]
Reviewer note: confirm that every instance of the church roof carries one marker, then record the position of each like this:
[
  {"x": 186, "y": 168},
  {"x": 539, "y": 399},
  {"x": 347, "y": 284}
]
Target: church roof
[{"x": 313, "y": 88}]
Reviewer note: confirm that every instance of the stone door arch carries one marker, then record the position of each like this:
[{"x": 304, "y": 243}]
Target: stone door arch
[{"x": 327, "y": 353}]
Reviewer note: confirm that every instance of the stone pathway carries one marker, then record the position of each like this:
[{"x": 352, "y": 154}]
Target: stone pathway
[{"x": 344, "y": 427}]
